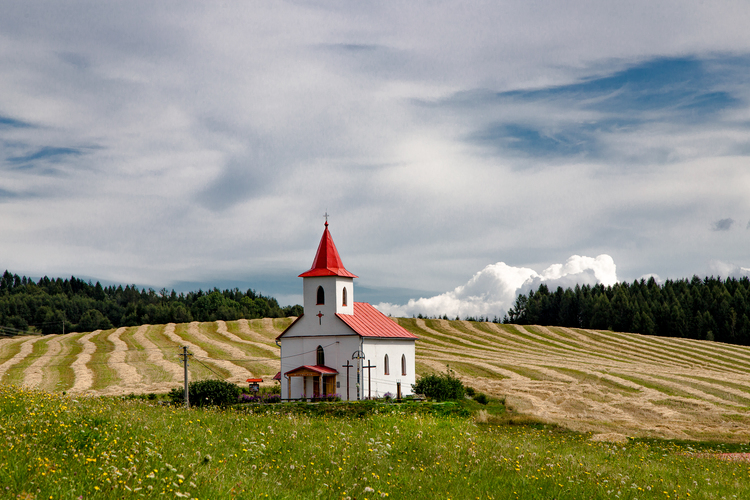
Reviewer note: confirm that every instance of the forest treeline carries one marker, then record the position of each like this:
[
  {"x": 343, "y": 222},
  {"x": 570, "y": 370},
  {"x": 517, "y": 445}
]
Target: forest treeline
[
  {"x": 48, "y": 304},
  {"x": 710, "y": 308}
]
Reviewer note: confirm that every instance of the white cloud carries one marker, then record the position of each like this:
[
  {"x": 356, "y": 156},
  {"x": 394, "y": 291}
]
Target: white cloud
[
  {"x": 491, "y": 291},
  {"x": 209, "y": 139},
  {"x": 727, "y": 269}
]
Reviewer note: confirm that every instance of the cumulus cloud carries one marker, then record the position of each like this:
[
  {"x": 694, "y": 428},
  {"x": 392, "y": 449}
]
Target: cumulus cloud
[
  {"x": 140, "y": 145},
  {"x": 728, "y": 269},
  {"x": 648, "y": 276},
  {"x": 491, "y": 291},
  {"x": 723, "y": 224}
]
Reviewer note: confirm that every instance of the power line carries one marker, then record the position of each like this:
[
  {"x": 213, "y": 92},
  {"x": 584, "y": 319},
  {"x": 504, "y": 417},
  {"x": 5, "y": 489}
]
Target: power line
[{"x": 210, "y": 369}]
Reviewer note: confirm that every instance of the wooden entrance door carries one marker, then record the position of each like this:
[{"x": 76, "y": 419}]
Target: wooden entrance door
[
  {"x": 330, "y": 384},
  {"x": 316, "y": 387}
]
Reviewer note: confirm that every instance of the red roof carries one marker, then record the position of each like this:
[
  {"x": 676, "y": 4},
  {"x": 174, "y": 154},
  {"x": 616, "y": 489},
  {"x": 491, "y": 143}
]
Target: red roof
[
  {"x": 325, "y": 370},
  {"x": 369, "y": 322},
  {"x": 327, "y": 261}
]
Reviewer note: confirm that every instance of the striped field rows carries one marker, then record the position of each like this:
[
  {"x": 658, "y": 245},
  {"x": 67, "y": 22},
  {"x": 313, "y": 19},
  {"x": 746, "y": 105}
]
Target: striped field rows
[
  {"x": 597, "y": 380},
  {"x": 583, "y": 379},
  {"x": 142, "y": 359}
]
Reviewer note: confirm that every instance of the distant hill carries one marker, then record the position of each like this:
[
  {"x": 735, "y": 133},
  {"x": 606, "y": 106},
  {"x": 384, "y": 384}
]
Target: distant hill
[
  {"x": 582, "y": 379},
  {"x": 62, "y": 305},
  {"x": 709, "y": 308}
]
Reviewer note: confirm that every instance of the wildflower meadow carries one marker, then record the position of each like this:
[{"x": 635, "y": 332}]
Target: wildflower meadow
[{"x": 57, "y": 446}]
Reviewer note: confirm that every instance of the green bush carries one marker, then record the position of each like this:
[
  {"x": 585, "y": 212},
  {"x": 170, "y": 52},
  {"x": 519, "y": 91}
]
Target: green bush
[
  {"x": 207, "y": 393},
  {"x": 470, "y": 392},
  {"x": 481, "y": 398},
  {"x": 442, "y": 387}
]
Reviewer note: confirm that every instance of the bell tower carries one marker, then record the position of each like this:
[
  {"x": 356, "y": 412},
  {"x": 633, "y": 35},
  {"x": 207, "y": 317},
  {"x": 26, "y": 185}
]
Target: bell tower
[{"x": 328, "y": 288}]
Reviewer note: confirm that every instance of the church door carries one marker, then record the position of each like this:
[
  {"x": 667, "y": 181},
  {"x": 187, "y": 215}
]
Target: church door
[
  {"x": 330, "y": 383},
  {"x": 316, "y": 387}
]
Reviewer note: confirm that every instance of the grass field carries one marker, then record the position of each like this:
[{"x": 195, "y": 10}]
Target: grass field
[
  {"x": 586, "y": 380},
  {"x": 66, "y": 447}
]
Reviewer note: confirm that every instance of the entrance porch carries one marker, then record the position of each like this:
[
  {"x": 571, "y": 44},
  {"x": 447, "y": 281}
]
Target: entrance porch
[{"x": 323, "y": 381}]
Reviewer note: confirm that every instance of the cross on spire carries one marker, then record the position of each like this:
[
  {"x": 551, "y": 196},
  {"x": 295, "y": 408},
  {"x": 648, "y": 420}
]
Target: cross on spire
[{"x": 326, "y": 216}]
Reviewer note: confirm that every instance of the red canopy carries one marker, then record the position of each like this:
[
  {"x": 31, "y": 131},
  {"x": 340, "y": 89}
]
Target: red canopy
[{"x": 311, "y": 371}]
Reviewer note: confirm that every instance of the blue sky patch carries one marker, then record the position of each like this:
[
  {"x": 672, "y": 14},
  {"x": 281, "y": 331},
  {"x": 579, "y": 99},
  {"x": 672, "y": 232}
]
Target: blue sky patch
[
  {"x": 522, "y": 138},
  {"x": 6, "y": 121},
  {"x": 682, "y": 92},
  {"x": 46, "y": 153},
  {"x": 656, "y": 85},
  {"x": 5, "y": 194}
]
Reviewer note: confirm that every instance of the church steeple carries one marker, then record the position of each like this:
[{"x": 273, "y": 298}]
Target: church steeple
[
  {"x": 328, "y": 286},
  {"x": 327, "y": 261}
]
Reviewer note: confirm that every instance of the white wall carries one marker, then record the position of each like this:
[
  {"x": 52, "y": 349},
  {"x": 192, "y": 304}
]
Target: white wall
[
  {"x": 310, "y": 325},
  {"x": 298, "y": 351},
  {"x": 333, "y": 287},
  {"x": 375, "y": 351}
]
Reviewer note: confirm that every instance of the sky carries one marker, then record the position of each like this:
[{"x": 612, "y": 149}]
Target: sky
[{"x": 464, "y": 152}]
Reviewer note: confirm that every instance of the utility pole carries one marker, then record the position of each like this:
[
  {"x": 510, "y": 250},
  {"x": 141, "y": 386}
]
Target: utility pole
[
  {"x": 184, "y": 357},
  {"x": 347, "y": 366},
  {"x": 369, "y": 379}
]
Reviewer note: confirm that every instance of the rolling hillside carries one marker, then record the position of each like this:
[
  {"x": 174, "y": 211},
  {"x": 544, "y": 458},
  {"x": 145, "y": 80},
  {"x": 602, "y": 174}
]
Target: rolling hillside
[{"x": 582, "y": 379}]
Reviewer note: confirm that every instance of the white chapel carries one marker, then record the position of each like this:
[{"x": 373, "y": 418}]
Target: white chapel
[{"x": 339, "y": 346}]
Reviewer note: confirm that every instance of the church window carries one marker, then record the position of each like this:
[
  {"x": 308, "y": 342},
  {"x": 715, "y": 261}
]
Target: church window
[
  {"x": 387, "y": 367},
  {"x": 321, "y": 358},
  {"x": 321, "y": 296},
  {"x": 343, "y": 295},
  {"x": 403, "y": 364}
]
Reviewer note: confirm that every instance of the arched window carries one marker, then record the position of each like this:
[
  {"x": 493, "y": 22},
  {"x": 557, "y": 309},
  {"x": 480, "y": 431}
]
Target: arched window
[
  {"x": 403, "y": 364},
  {"x": 386, "y": 365},
  {"x": 321, "y": 358},
  {"x": 343, "y": 299},
  {"x": 321, "y": 296}
]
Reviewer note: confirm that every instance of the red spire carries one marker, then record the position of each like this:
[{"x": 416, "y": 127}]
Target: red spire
[{"x": 327, "y": 261}]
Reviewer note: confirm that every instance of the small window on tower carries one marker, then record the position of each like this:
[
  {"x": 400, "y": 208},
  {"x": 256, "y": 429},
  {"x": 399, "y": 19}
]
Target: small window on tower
[
  {"x": 343, "y": 295},
  {"x": 321, "y": 296}
]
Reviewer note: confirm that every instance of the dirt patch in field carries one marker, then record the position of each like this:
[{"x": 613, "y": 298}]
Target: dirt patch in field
[
  {"x": 27, "y": 345},
  {"x": 610, "y": 437},
  {"x": 237, "y": 373},
  {"x": 128, "y": 375},
  {"x": 133, "y": 382},
  {"x": 260, "y": 340},
  {"x": 156, "y": 355},
  {"x": 84, "y": 377},
  {"x": 34, "y": 374}
]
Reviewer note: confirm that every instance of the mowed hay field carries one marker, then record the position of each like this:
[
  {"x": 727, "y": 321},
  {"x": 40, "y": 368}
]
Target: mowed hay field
[{"x": 585, "y": 380}]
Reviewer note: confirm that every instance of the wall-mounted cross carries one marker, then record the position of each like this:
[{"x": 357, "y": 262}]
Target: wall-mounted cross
[{"x": 320, "y": 317}]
